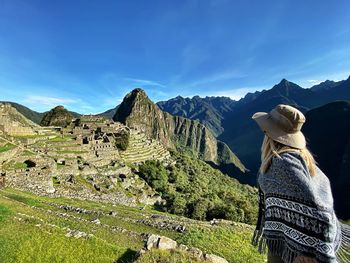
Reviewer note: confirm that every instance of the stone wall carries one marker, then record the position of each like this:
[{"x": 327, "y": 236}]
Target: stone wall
[{"x": 35, "y": 180}]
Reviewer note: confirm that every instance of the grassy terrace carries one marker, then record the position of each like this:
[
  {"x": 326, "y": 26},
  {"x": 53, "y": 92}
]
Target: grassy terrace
[
  {"x": 7, "y": 147},
  {"x": 13, "y": 165},
  {"x": 34, "y": 229}
]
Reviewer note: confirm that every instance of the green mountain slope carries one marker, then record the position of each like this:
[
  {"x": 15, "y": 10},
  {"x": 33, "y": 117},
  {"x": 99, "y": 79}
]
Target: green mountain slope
[
  {"x": 108, "y": 114},
  {"x": 210, "y": 111},
  {"x": 194, "y": 189},
  {"x": 57, "y": 116},
  {"x": 26, "y": 112}
]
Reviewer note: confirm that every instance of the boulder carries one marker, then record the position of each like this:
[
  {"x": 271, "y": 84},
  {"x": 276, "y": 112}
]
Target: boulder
[
  {"x": 196, "y": 253},
  {"x": 214, "y": 259},
  {"x": 183, "y": 247},
  {"x": 152, "y": 241},
  {"x": 166, "y": 243},
  {"x": 96, "y": 221}
]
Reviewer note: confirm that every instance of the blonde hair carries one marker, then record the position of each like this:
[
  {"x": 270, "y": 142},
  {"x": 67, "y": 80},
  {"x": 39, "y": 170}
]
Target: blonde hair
[{"x": 272, "y": 148}]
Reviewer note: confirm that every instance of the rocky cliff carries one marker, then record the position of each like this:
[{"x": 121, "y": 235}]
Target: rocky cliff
[
  {"x": 175, "y": 132},
  {"x": 57, "y": 116}
]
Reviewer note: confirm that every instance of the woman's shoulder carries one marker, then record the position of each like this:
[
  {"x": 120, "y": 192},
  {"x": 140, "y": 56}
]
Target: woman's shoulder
[
  {"x": 287, "y": 176},
  {"x": 290, "y": 161}
]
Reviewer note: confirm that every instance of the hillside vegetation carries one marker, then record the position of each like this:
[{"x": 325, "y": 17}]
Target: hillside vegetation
[
  {"x": 194, "y": 189},
  {"x": 57, "y": 116}
]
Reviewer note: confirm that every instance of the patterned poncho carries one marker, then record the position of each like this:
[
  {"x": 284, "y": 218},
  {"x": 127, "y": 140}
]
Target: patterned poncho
[{"x": 296, "y": 215}]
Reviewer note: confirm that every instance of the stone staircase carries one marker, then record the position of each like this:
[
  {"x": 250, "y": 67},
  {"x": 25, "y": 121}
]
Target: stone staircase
[{"x": 141, "y": 149}]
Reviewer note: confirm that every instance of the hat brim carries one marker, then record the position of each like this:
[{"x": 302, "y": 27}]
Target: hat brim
[{"x": 268, "y": 126}]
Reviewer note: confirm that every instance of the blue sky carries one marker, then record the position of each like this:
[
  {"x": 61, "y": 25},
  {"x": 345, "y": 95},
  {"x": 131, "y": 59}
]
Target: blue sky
[{"x": 86, "y": 55}]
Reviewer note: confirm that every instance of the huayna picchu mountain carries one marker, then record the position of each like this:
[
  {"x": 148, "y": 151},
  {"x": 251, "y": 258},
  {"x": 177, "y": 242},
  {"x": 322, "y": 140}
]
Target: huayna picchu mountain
[
  {"x": 175, "y": 132},
  {"x": 58, "y": 116}
]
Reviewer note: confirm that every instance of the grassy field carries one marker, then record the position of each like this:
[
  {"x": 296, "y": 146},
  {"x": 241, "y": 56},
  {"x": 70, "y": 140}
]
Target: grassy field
[{"x": 39, "y": 229}]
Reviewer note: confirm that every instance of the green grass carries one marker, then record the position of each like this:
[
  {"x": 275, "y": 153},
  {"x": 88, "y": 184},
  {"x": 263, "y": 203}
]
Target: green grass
[
  {"x": 13, "y": 165},
  {"x": 34, "y": 244},
  {"x": 174, "y": 256},
  {"x": 7, "y": 147},
  {"x": 4, "y": 212},
  {"x": 60, "y": 139},
  {"x": 60, "y": 166},
  {"x": 32, "y": 239},
  {"x": 55, "y": 181},
  {"x": 230, "y": 243},
  {"x": 27, "y": 153},
  {"x": 30, "y": 136}
]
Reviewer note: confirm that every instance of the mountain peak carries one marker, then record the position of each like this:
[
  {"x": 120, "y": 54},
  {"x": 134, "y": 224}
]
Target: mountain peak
[
  {"x": 58, "y": 116},
  {"x": 284, "y": 82},
  {"x": 138, "y": 92},
  {"x": 59, "y": 107}
]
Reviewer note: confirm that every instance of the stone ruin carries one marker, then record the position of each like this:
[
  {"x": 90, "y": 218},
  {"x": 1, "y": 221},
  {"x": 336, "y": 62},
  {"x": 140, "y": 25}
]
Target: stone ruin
[{"x": 81, "y": 164}]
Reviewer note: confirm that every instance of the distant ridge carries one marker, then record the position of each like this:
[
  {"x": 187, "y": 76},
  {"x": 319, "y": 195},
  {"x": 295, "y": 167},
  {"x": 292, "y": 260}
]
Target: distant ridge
[
  {"x": 209, "y": 111},
  {"x": 109, "y": 114},
  {"x": 34, "y": 116}
]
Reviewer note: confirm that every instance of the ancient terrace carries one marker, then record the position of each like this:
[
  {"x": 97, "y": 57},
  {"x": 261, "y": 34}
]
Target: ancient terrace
[{"x": 87, "y": 158}]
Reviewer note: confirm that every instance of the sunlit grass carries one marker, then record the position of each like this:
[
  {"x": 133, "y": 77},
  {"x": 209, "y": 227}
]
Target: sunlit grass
[{"x": 33, "y": 239}]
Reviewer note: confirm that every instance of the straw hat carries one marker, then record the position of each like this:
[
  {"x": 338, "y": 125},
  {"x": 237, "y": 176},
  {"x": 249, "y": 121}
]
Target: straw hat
[{"x": 283, "y": 125}]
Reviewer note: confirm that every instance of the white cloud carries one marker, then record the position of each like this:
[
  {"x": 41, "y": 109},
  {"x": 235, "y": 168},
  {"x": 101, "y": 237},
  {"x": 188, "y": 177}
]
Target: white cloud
[
  {"x": 45, "y": 100},
  {"x": 144, "y": 82}
]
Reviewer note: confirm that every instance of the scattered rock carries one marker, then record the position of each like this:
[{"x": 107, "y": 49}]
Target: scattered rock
[
  {"x": 77, "y": 234},
  {"x": 165, "y": 243},
  {"x": 215, "y": 221},
  {"x": 112, "y": 213},
  {"x": 152, "y": 241},
  {"x": 96, "y": 221},
  {"x": 183, "y": 247},
  {"x": 196, "y": 253},
  {"x": 214, "y": 259}
]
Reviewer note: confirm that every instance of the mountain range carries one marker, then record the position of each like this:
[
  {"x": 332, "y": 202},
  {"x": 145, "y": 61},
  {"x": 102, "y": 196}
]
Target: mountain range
[{"x": 233, "y": 125}]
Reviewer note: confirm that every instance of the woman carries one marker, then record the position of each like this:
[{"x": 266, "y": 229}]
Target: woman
[{"x": 296, "y": 220}]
